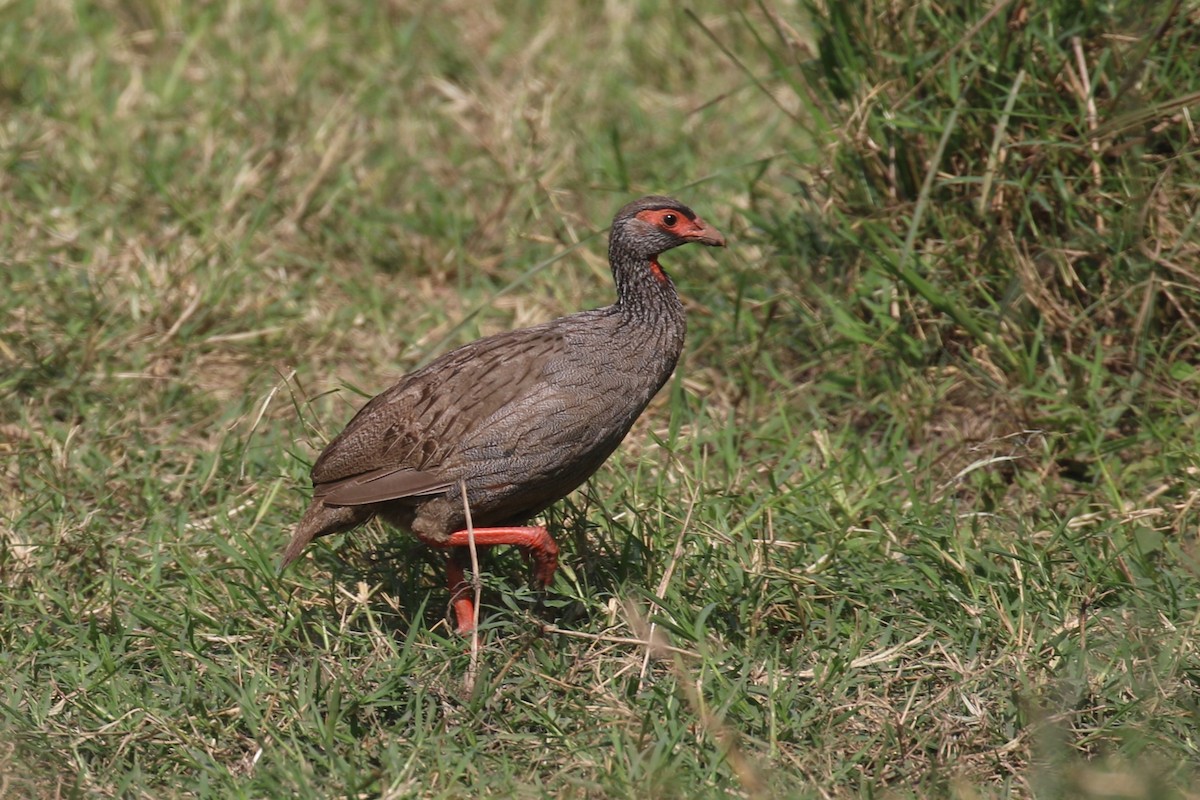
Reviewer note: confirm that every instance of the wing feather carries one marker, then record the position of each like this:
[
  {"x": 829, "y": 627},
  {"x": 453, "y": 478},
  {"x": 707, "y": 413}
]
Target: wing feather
[
  {"x": 407, "y": 441},
  {"x": 380, "y": 485}
]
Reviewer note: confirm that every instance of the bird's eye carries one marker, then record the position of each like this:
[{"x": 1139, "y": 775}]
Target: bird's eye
[{"x": 669, "y": 220}]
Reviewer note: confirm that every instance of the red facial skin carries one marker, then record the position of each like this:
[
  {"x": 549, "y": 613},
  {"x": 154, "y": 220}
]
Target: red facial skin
[{"x": 677, "y": 224}]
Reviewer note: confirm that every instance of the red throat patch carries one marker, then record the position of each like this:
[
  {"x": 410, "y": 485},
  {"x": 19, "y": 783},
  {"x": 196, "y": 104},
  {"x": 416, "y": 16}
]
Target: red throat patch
[{"x": 657, "y": 272}]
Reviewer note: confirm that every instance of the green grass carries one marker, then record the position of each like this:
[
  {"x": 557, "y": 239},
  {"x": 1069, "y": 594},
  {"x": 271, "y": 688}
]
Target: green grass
[{"x": 917, "y": 516}]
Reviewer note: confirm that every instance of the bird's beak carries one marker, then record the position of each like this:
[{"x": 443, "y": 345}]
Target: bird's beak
[{"x": 704, "y": 233}]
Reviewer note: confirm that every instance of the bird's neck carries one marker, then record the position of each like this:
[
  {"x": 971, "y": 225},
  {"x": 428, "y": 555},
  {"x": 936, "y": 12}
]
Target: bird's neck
[
  {"x": 649, "y": 310},
  {"x": 644, "y": 290}
]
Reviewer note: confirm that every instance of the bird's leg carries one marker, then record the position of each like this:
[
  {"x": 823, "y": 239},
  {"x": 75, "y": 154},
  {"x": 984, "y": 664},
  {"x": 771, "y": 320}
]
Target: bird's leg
[
  {"x": 534, "y": 540},
  {"x": 460, "y": 595}
]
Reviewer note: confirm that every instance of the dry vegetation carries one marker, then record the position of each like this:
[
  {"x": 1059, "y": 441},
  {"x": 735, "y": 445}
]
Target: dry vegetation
[{"x": 917, "y": 517}]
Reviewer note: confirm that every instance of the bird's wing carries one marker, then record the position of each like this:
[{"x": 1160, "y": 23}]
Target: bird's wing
[
  {"x": 380, "y": 485},
  {"x": 404, "y": 442}
]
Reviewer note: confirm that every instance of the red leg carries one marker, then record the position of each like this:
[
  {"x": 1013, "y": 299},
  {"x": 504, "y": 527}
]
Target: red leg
[
  {"x": 534, "y": 540},
  {"x": 460, "y": 597}
]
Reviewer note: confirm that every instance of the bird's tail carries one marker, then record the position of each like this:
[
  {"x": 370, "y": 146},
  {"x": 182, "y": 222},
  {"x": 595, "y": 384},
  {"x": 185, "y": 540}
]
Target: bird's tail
[{"x": 321, "y": 520}]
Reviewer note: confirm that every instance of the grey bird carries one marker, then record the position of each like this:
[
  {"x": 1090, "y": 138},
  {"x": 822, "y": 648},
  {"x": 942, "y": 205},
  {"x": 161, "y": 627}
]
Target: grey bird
[{"x": 521, "y": 418}]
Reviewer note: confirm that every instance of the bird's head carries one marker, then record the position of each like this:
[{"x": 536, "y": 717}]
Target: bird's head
[{"x": 655, "y": 224}]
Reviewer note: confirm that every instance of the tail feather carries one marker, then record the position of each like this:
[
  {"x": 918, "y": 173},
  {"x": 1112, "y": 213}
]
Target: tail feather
[
  {"x": 321, "y": 520},
  {"x": 300, "y": 539}
]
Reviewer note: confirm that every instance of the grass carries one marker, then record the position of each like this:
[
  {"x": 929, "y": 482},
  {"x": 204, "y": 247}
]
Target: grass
[{"x": 916, "y": 517}]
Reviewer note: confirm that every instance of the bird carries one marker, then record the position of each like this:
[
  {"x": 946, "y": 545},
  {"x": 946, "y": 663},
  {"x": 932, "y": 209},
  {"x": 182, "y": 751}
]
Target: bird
[{"x": 520, "y": 419}]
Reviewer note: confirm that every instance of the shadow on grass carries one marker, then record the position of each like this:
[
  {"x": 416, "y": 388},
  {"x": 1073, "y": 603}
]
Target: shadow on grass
[{"x": 407, "y": 579}]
